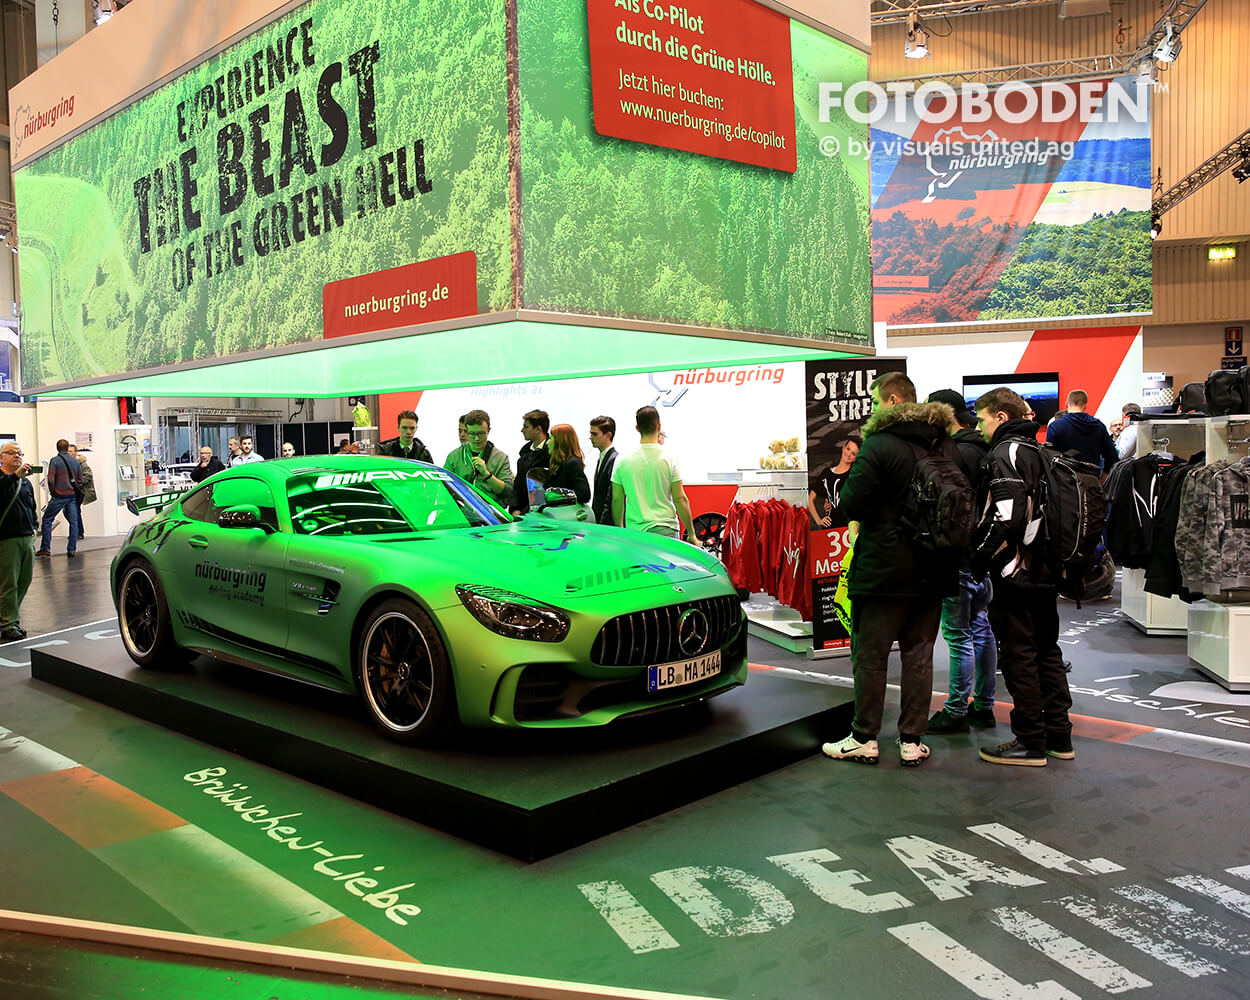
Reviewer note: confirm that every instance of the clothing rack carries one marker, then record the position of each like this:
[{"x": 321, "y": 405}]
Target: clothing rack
[
  {"x": 1183, "y": 437},
  {"x": 1219, "y": 627}
]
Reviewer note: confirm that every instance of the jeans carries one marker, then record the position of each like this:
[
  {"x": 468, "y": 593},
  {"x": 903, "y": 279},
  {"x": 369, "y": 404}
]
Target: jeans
[
  {"x": 875, "y": 625},
  {"x": 1027, "y": 622},
  {"x": 57, "y": 504},
  {"x": 966, "y": 628}
]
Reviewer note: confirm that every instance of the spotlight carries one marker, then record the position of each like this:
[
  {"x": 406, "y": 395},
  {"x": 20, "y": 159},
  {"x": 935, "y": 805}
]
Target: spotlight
[
  {"x": 1169, "y": 46},
  {"x": 917, "y": 44},
  {"x": 1156, "y": 227}
]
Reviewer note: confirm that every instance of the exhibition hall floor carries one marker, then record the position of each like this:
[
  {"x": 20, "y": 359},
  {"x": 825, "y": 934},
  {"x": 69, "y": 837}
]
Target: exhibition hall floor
[{"x": 1125, "y": 870}]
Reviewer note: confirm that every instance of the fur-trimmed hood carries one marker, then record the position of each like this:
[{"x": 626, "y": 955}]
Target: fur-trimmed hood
[{"x": 937, "y": 415}]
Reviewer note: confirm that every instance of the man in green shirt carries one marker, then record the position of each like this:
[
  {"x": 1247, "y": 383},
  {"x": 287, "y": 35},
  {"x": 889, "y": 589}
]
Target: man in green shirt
[{"x": 478, "y": 462}]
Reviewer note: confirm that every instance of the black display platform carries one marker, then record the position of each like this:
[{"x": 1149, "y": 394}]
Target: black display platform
[{"x": 529, "y": 794}]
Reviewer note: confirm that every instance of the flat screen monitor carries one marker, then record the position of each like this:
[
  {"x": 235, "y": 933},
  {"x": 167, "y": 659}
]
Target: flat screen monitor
[{"x": 1039, "y": 389}]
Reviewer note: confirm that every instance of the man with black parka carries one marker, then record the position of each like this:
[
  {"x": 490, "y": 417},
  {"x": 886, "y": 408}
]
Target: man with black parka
[{"x": 896, "y": 589}]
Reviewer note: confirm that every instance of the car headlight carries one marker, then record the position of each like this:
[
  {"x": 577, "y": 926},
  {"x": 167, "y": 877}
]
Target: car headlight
[{"x": 514, "y": 615}]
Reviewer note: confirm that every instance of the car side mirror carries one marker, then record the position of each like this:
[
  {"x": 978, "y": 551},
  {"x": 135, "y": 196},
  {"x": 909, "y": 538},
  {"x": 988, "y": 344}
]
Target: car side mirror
[
  {"x": 559, "y": 496},
  {"x": 242, "y": 516}
]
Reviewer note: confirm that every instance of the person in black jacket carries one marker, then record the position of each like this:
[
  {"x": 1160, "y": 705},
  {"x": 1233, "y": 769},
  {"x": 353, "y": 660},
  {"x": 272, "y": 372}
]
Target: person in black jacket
[
  {"x": 568, "y": 464},
  {"x": 1077, "y": 431},
  {"x": 19, "y": 520},
  {"x": 209, "y": 465},
  {"x": 533, "y": 460},
  {"x": 965, "y": 616},
  {"x": 602, "y": 434},
  {"x": 1010, "y": 542},
  {"x": 896, "y": 589},
  {"x": 407, "y": 445}
]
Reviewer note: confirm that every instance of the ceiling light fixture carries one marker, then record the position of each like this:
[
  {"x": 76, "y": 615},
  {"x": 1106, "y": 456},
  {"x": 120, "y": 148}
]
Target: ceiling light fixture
[
  {"x": 1242, "y": 170},
  {"x": 1169, "y": 46},
  {"x": 917, "y": 44}
]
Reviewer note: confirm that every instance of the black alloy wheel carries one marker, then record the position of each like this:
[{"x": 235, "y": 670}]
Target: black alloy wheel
[
  {"x": 143, "y": 617},
  {"x": 403, "y": 673}
]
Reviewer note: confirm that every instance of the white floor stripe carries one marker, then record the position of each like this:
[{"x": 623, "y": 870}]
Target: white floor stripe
[
  {"x": 1090, "y": 965},
  {"x": 1210, "y": 933},
  {"x": 72, "y": 628},
  {"x": 1225, "y": 895},
  {"x": 1043, "y": 854},
  {"x": 972, "y": 971},
  {"x": 1136, "y": 927},
  {"x": 628, "y": 917}
]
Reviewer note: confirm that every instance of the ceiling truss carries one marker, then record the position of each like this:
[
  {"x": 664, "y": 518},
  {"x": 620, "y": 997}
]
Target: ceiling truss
[
  {"x": 895, "y": 11},
  {"x": 1203, "y": 174},
  {"x": 1179, "y": 12}
]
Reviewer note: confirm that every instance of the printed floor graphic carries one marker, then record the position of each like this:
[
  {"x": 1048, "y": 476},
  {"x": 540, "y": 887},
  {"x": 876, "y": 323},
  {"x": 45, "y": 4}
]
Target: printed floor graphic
[{"x": 1126, "y": 870}]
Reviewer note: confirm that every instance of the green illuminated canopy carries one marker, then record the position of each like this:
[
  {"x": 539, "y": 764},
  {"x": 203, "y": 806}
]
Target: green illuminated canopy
[{"x": 512, "y": 350}]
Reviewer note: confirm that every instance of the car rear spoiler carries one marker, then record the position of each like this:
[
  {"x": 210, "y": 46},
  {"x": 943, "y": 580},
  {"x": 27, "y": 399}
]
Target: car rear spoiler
[{"x": 153, "y": 501}]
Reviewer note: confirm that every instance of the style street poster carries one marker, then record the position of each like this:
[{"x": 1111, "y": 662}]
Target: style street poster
[{"x": 839, "y": 401}]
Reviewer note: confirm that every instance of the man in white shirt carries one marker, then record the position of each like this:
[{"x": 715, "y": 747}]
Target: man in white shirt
[
  {"x": 1126, "y": 443},
  {"x": 647, "y": 493},
  {"x": 246, "y": 454}
]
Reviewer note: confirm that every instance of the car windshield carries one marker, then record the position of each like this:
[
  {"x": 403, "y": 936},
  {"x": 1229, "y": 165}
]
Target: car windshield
[{"x": 385, "y": 502}]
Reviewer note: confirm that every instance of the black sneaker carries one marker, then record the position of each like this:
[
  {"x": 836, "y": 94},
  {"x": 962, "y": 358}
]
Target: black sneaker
[
  {"x": 1014, "y": 752},
  {"x": 1063, "y": 752},
  {"x": 943, "y": 722},
  {"x": 982, "y": 718}
]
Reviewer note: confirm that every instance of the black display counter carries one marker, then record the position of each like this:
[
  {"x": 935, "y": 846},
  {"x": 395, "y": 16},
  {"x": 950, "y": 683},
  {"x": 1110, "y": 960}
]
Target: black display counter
[{"x": 529, "y": 794}]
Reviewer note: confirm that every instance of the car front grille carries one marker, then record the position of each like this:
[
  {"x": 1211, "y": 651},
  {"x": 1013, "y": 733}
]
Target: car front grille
[{"x": 648, "y": 637}]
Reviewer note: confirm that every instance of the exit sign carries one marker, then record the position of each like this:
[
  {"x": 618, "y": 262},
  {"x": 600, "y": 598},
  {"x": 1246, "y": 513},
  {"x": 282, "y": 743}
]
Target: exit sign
[{"x": 1221, "y": 253}]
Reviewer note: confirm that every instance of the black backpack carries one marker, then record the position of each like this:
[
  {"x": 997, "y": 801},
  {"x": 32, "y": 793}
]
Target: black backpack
[
  {"x": 939, "y": 505},
  {"x": 1074, "y": 511},
  {"x": 1224, "y": 393},
  {"x": 1193, "y": 398}
]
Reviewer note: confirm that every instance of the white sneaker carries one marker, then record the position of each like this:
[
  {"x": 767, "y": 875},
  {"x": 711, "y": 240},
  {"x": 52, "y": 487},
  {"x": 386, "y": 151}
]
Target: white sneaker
[
  {"x": 912, "y": 754},
  {"x": 850, "y": 748}
]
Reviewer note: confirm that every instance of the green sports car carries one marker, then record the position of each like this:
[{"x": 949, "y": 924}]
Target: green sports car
[{"x": 396, "y": 580}]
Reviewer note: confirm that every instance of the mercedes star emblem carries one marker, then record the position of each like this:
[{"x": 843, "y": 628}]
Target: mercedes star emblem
[{"x": 693, "y": 632}]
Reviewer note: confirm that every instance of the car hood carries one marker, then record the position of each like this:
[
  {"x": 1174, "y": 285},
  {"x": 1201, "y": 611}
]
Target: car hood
[{"x": 557, "y": 562}]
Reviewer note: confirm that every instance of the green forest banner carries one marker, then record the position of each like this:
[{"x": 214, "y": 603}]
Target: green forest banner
[
  {"x": 613, "y": 227},
  {"x": 205, "y": 219}
]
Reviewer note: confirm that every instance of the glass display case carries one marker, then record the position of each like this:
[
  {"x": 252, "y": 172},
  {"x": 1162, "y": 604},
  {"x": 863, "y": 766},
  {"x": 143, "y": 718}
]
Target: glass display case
[{"x": 132, "y": 444}]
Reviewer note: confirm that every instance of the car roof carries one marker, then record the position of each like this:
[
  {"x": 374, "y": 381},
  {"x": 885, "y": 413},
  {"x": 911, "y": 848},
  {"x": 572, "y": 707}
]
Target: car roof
[{"x": 282, "y": 469}]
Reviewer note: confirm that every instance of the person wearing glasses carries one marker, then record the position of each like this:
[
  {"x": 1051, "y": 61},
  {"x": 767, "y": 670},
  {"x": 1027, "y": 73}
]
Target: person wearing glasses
[
  {"x": 19, "y": 520},
  {"x": 478, "y": 462}
]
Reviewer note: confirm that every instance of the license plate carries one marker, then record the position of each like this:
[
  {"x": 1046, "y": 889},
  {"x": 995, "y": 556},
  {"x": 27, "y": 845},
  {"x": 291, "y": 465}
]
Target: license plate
[{"x": 671, "y": 675}]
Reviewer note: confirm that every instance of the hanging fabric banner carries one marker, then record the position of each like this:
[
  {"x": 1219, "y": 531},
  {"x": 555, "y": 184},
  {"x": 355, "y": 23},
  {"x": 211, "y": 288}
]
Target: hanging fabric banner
[{"x": 839, "y": 401}]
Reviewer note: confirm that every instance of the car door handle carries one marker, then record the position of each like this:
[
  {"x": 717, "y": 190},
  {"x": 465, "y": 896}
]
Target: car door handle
[{"x": 198, "y": 542}]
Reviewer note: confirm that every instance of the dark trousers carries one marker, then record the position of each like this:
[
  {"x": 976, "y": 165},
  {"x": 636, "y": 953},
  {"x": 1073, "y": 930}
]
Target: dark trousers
[
  {"x": 875, "y": 625},
  {"x": 1026, "y": 623}
]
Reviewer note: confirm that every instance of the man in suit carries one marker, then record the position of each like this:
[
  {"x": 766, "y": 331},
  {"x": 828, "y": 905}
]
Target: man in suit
[{"x": 602, "y": 432}]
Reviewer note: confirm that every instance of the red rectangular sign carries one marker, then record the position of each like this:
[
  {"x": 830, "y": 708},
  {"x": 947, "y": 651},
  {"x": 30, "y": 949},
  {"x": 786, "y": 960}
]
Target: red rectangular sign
[
  {"x": 705, "y": 76},
  {"x": 428, "y": 290}
]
